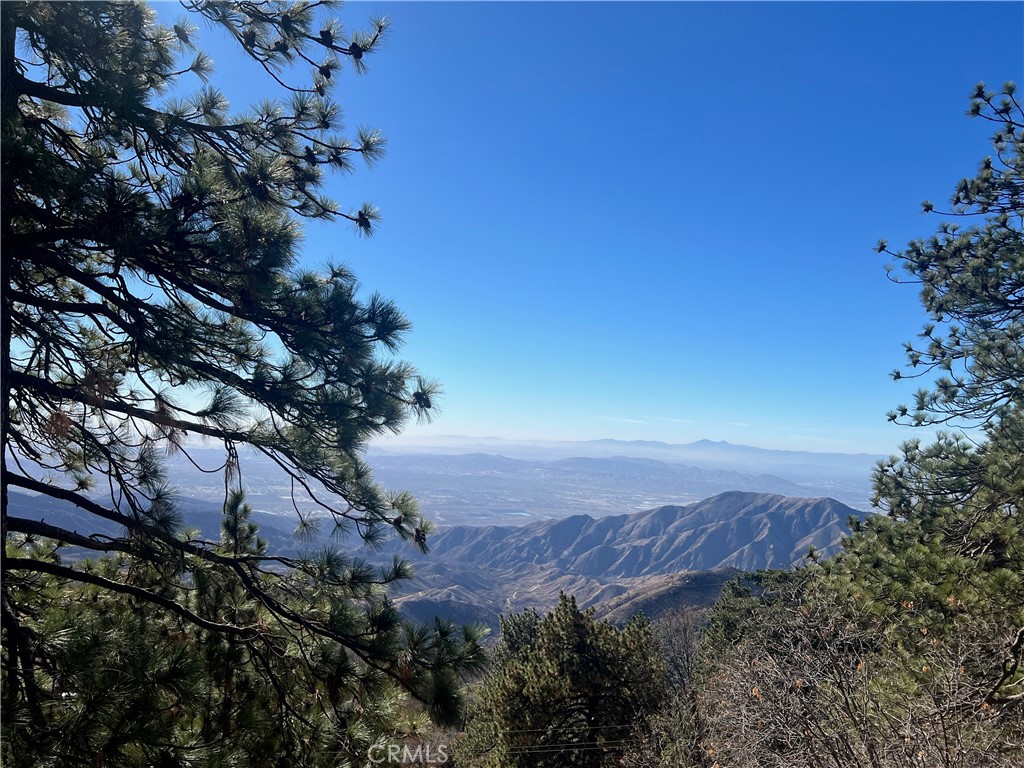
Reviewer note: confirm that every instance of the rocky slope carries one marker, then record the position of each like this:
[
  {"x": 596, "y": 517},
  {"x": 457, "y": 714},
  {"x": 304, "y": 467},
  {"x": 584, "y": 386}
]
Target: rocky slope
[
  {"x": 735, "y": 529},
  {"x": 648, "y": 561}
]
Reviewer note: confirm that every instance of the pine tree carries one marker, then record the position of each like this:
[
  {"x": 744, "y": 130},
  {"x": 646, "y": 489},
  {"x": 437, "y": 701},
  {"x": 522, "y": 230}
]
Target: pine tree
[
  {"x": 152, "y": 295},
  {"x": 953, "y": 539},
  {"x": 972, "y": 284},
  {"x": 906, "y": 649},
  {"x": 575, "y": 691}
]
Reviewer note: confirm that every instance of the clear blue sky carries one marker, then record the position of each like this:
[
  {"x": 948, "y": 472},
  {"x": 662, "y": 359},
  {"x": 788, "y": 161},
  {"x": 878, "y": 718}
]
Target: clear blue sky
[{"x": 656, "y": 221}]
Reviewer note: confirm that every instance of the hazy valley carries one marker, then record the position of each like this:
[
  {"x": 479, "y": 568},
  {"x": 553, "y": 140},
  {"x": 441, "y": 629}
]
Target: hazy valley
[
  {"x": 623, "y": 525},
  {"x": 478, "y": 481}
]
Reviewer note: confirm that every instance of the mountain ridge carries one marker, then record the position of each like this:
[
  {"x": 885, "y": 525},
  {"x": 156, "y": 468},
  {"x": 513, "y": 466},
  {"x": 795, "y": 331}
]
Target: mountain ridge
[
  {"x": 736, "y": 529},
  {"x": 654, "y": 561},
  {"x": 650, "y": 560}
]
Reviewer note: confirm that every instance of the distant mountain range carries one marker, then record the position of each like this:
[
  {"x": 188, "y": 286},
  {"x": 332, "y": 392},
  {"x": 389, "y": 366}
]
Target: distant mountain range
[
  {"x": 699, "y": 453},
  {"x": 646, "y": 560},
  {"x": 484, "y": 571}
]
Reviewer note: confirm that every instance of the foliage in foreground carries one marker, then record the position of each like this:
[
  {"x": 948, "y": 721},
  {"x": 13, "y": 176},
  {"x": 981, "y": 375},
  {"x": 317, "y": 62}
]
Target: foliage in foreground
[
  {"x": 124, "y": 684},
  {"x": 564, "y": 690},
  {"x": 153, "y": 295},
  {"x": 907, "y": 648}
]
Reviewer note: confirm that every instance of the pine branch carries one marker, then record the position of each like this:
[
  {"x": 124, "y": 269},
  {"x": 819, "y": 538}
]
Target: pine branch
[
  {"x": 84, "y": 577},
  {"x": 95, "y": 542}
]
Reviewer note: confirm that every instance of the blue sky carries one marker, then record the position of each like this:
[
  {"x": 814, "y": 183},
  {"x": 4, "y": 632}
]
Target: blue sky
[{"x": 656, "y": 221}]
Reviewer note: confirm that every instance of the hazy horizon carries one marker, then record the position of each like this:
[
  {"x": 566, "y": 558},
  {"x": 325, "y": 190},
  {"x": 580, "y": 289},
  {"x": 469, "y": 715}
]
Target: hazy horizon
[{"x": 410, "y": 437}]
